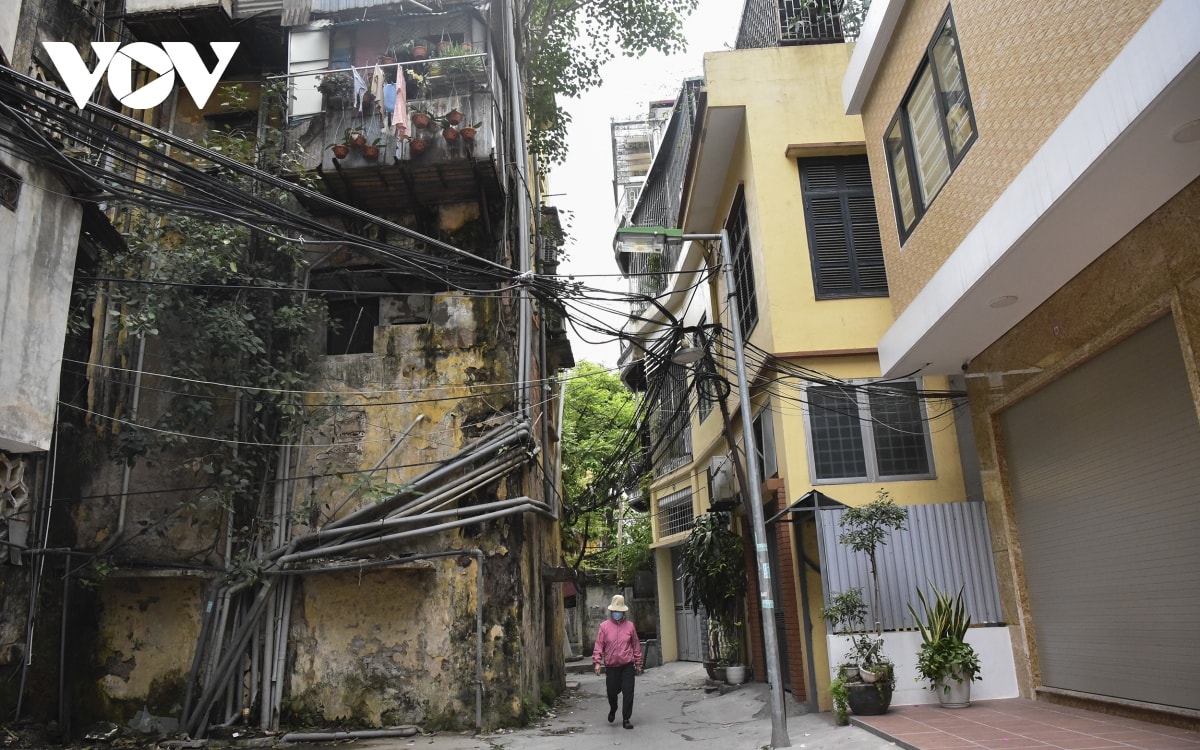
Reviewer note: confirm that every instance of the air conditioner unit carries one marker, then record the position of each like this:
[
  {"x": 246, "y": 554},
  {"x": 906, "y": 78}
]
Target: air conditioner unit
[{"x": 722, "y": 484}]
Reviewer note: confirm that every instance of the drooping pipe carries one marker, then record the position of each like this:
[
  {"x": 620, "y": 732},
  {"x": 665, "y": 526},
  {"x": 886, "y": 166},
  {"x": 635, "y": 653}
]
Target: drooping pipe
[
  {"x": 481, "y": 449},
  {"x": 529, "y": 504},
  {"x": 392, "y": 449}
]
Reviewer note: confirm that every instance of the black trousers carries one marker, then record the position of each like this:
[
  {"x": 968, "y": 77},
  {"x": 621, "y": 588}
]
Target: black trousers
[{"x": 620, "y": 680}]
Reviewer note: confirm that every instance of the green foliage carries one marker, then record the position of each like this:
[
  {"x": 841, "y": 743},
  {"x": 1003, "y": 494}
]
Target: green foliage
[
  {"x": 847, "y": 613},
  {"x": 841, "y": 701},
  {"x": 714, "y": 568},
  {"x": 867, "y": 527},
  {"x": 566, "y": 42},
  {"x": 598, "y": 413},
  {"x": 944, "y": 653},
  {"x": 217, "y": 306}
]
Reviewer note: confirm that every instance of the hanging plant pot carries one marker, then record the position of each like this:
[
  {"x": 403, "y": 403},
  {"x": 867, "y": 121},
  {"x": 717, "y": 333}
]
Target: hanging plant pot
[
  {"x": 370, "y": 152},
  {"x": 340, "y": 151},
  {"x": 466, "y": 47},
  {"x": 357, "y": 139},
  {"x": 454, "y": 117},
  {"x": 467, "y": 133},
  {"x": 420, "y": 120},
  {"x": 420, "y": 52},
  {"x": 450, "y": 134},
  {"x": 417, "y": 146},
  {"x": 443, "y": 46}
]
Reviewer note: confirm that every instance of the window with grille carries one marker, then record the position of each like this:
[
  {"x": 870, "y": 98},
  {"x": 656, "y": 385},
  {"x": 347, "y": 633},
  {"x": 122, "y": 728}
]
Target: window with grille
[
  {"x": 868, "y": 432},
  {"x": 843, "y": 229},
  {"x": 743, "y": 265},
  {"x": 675, "y": 513},
  {"x": 10, "y": 188},
  {"x": 932, "y": 131},
  {"x": 670, "y": 426}
]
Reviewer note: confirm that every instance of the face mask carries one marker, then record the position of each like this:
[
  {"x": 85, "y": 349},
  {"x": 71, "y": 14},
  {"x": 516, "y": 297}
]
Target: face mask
[{"x": 618, "y": 615}]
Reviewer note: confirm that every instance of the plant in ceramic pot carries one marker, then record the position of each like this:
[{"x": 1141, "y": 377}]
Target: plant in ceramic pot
[
  {"x": 946, "y": 660},
  {"x": 468, "y": 132},
  {"x": 420, "y": 119},
  {"x": 356, "y": 137},
  {"x": 371, "y": 150},
  {"x": 714, "y": 568}
]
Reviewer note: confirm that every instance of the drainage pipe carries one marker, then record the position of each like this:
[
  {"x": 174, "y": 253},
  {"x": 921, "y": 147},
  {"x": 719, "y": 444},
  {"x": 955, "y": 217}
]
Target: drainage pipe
[
  {"x": 460, "y": 459},
  {"x": 360, "y": 734},
  {"x": 528, "y": 504},
  {"x": 387, "y": 454},
  {"x": 133, "y": 411},
  {"x": 324, "y": 537}
]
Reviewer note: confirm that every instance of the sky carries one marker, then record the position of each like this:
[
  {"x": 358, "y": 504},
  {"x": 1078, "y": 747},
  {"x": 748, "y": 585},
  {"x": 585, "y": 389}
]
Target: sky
[{"x": 582, "y": 185}]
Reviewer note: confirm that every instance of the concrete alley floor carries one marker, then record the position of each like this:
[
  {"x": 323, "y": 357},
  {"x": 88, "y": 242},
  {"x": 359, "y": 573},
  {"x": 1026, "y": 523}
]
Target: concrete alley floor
[{"x": 671, "y": 711}]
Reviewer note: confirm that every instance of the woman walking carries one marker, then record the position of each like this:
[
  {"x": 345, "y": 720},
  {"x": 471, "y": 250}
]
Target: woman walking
[{"x": 618, "y": 649}]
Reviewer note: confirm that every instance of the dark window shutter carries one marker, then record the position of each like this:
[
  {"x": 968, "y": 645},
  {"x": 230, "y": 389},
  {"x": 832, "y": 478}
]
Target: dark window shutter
[{"x": 843, "y": 230}]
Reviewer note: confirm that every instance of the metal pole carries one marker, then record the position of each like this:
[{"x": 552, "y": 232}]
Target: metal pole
[{"x": 779, "y": 735}]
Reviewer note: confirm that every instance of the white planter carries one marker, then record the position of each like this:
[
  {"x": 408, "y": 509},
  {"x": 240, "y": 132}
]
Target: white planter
[
  {"x": 953, "y": 694},
  {"x": 736, "y": 674}
]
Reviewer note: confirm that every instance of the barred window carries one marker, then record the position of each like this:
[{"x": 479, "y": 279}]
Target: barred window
[
  {"x": 675, "y": 513},
  {"x": 862, "y": 434},
  {"x": 10, "y": 188}
]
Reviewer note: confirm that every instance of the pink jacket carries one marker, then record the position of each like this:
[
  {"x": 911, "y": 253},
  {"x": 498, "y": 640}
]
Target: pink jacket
[{"x": 617, "y": 644}]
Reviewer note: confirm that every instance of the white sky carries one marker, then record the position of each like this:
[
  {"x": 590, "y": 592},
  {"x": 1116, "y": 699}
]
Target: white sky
[{"x": 582, "y": 187}]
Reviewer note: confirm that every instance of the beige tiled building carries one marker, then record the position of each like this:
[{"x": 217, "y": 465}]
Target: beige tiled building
[{"x": 1035, "y": 167}]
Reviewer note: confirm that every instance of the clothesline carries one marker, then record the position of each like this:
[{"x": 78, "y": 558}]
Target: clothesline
[{"x": 325, "y": 71}]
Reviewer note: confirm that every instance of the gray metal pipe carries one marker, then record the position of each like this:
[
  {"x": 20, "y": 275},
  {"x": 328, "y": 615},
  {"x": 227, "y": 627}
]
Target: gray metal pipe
[
  {"x": 386, "y": 538},
  {"x": 476, "y": 478},
  {"x": 359, "y": 734},
  {"x": 466, "y": 455},
  {"x": 391, "y": 449}
]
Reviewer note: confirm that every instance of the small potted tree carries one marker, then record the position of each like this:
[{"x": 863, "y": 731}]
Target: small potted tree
[
  {"x": 946, "y": 660},
  {"x": 714, "y": 568},
  {"x": 865, "y": 529},
  {"x": 337, "y": 89}
]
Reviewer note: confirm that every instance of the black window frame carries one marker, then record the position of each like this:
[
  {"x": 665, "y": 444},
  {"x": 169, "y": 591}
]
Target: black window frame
[
  {"x": 849, "y": 263},
  {"x": 899, "y": 119},
  {"x": 741, "y": 255}
]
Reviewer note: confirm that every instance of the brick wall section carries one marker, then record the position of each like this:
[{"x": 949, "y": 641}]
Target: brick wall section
[{"x": 775, "y": 495}]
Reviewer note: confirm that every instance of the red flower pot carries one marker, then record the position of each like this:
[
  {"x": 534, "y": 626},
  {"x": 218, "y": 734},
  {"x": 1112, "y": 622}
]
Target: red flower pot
[{"x": 417, "y": 146}]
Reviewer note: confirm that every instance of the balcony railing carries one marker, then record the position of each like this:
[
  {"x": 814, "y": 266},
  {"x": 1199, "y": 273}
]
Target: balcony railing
[{"x": 780, "y": 23}]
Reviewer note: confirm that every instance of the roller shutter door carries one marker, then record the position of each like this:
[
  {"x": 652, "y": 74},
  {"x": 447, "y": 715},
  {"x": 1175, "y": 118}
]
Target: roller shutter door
[{"x": 1104, "y": 466}]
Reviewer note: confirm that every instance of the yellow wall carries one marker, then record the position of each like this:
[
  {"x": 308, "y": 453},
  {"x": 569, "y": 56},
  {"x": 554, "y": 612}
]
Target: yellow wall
[
  {"x": 792, "y": 106},
  {"x": 1021, "y": 59}
]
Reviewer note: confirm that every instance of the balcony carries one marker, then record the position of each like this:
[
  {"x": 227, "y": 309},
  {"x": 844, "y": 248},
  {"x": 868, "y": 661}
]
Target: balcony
[
  {"x": 784, "y": 23},
  {"x": 447, "y": 149}
]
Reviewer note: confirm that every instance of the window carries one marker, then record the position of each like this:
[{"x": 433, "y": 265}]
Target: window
[
  {"x": 10, "y": 188},
  {"x": 743, "y": 266},
  {"x": 843, "y": 230},
  {"x": 671, "y": 419},
  {"x": 675, "y": 514},
  {"x": 352, "y": 326},
  {"x": 868, "y": 432},
  {"x": 932, "y": 131}
]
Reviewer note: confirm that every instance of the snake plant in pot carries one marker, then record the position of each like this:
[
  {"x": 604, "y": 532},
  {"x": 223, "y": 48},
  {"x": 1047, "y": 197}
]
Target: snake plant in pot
[{"x": 946, "y": 660}]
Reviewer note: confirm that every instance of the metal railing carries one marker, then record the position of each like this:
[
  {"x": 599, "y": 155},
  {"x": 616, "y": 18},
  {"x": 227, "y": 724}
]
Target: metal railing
[{"x": 779, "y": 23}]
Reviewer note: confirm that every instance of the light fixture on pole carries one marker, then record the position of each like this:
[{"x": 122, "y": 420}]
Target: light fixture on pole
[{"x": 655, "y": 239}]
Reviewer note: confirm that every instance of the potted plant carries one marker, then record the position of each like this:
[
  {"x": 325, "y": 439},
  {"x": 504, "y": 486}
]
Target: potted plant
[
  {"x": 420, "y": 50},
  {"x": 337, "y": 89},
  {"x": 420, "y": 118},
  {"x": 417, "y": 146},
  {"x": 340, "y": 150},
  {"x": 865, "y": 529},
  {"x": 865, "y": 675},
  {"x": 371, "y": 150},
  {"x": 448, "y": 130},
  {"x": 946, "y": 660},
  {"x": 714, "y": 568},
  {"x": 468, "y": 132},
  {"x": 355, "y": 137}
]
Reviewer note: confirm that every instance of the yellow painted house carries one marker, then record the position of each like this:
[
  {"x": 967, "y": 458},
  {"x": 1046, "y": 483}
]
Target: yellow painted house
[{"x": 772, "y": 158}]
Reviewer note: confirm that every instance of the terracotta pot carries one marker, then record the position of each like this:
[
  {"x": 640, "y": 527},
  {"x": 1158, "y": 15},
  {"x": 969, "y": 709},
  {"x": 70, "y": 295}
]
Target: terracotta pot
[
  {"x": 420, "y": 120},
  {"x": 370, "y": 152},
  {"x": 450, "y": 134},
  {"x": 454, "y": 117},
  {"x": 442, "y": 47},
  {"x": 417, "y": 146},
  {"x": 358, "y": 140},
  {"x": 467, "y": 47},
  {"x": 420, "y": 51},
  {"x": 467, "y": 134},
  {"x": 341, "y": 151}
]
